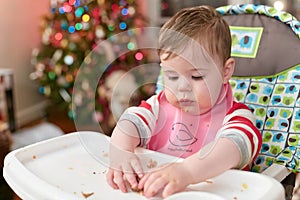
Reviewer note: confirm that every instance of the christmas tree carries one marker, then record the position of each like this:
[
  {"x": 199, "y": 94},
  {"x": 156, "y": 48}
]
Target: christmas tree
[{"x": 71, "y": 34}]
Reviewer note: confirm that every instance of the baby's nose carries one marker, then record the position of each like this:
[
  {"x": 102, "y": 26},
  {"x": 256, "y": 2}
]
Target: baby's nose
[{"x": 184, "y": 84}]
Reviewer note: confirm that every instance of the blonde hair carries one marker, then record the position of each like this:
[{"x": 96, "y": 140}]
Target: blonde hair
[{"x": 203, "y": 24}]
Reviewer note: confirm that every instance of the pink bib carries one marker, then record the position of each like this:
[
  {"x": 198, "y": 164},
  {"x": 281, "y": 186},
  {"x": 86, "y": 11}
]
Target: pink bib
[{"x": 181, "y": 134}]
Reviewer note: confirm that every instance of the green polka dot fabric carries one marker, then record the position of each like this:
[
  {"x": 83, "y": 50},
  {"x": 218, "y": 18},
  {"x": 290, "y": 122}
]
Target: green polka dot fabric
[
  {"x": 276, "y": 104},
  {"x": 274, "y": 100}
]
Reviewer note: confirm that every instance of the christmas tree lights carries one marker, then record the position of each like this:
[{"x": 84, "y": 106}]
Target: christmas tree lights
[{"x": 70, "y": 32}]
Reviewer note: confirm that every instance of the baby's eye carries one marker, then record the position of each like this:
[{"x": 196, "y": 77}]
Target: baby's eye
[
  {"x": 173, "y": 78},
  {"x": 196, "y": 78}
]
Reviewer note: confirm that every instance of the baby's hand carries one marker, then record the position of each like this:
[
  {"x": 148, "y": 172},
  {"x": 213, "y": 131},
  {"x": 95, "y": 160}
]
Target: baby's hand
[
  {"x": 169, "y": 179},
  {"x": 124, "y": 166}
]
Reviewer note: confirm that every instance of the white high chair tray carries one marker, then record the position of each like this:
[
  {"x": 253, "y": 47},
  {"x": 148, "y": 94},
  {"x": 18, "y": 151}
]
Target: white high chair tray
[{"x": 73, "y": 166}]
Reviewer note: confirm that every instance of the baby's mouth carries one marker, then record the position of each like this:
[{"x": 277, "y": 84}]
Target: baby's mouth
[{"x": 185, "y": 102}]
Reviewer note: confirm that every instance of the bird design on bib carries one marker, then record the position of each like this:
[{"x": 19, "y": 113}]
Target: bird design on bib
[{"x": 181, "y": 135}]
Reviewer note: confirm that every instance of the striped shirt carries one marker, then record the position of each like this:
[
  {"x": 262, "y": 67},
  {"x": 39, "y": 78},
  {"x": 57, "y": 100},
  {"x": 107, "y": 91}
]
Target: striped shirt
[{"x": 167, "y": 129}]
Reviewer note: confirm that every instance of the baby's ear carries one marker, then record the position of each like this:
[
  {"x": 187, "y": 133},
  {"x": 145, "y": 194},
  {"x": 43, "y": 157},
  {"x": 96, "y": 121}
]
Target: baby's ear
[{"x": 228, "y": 69}]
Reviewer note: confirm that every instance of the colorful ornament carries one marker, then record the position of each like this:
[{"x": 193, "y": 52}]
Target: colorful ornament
[
  {"x": 85, "y": 18},
  {"x": 139, "y": 56},
  {"x": 68, "y": 60}
]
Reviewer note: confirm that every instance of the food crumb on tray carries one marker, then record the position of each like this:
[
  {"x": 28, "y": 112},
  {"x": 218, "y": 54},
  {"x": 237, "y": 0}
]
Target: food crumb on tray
[
  {"x": 87, "y": 195},
  {"x": 208, "y": 181},
  {"x": 105, "y": 154},
  {"x": 139, "y": 191},
  {"x": 151, "y": 164},
  {"x": 244, "y": 186}
]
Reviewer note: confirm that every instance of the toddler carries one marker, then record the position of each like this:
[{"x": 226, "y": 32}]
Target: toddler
[{"x": 194, "y": 117}]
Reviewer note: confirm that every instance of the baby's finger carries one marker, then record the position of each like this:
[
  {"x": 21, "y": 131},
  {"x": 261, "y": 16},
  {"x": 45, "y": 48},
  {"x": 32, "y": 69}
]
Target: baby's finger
[
  {"x": 154, "y": 187},
  {"x": 118, "y": 179},
  {"x": 110, "y": 179},
  {"x": 136, "y": 165},
  {"x": 143, "y": 181},
  {"x": 132, "y": 180},
  {"x": 170, "y": 189},
  {"x": 150, "y": 180},
  {"x": 129, "y": 174}
]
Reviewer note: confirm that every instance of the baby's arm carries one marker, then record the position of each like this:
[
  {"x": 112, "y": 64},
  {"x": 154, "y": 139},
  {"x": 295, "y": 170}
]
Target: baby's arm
[
  {"x": 236, "y": 145},
  {"x": 216, "y": 158},
  {"x": 125, "y": 136},
  {"x": 134, "y": 128},
  {"x": 123, "y": 162}
]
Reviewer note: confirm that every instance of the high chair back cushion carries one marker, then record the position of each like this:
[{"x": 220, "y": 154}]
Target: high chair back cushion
[{"x": 266, "y": 46}]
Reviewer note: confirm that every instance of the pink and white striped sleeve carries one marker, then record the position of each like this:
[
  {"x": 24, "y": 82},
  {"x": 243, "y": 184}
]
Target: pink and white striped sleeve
[
  {"x": 143, "y": 117},
  {"x": 239, "y": 127}
]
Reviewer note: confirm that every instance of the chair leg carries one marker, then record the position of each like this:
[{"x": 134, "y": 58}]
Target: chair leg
[{"x": 289, "y": 184}]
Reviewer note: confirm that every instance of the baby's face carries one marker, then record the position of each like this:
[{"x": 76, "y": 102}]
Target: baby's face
[{"x": 194, "y": 88}]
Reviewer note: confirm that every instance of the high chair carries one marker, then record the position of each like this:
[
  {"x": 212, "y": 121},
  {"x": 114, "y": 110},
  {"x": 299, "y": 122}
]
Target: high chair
[{"x": 266, "y": 47}]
